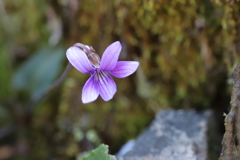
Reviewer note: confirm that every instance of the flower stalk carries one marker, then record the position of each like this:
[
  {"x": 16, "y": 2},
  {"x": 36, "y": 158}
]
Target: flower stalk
[{"x": 34, "y": 102}]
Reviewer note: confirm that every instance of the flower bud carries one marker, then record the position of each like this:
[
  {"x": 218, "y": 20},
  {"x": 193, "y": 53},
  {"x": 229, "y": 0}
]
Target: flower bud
[
  {"x": 91, "y": 54},
  {"x": 94, "y": 59}
]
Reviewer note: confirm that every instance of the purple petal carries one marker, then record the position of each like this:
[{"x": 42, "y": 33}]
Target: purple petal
[
  {"x": 110, "y": 56},
  {"x": 89, "y": 92},
  {"x": 79, "y": 60},
  {"x": 106, "y": 85},
  {"x": 124, "y": 68}
]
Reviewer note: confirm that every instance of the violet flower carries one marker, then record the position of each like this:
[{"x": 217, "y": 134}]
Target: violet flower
[{"x": 85, "y": 60}]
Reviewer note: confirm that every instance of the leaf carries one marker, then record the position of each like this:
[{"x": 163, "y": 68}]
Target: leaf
[
  {"x": 38, "y": 72},
  {"x": 101, "y": 153}
]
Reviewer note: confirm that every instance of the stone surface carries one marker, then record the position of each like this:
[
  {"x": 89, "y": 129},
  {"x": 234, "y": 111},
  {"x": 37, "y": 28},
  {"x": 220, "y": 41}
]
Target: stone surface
[{"x": 173, "y": 135}]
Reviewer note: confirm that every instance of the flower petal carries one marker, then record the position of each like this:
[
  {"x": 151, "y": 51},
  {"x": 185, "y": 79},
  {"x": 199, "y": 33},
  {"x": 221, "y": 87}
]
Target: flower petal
[
  {"x": 106, "y": 85},
  {"x": 89, "y": 92},
  {"x": 110, "y": 56},
  {"x": 79, "y": 60},
  {"x": 124, "y": 68}
]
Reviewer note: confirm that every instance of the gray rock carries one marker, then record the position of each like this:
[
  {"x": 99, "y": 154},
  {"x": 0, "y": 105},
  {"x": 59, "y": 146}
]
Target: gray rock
[
  {"x": 173, "y": 135},
  {"x": 126, "y": 148}
]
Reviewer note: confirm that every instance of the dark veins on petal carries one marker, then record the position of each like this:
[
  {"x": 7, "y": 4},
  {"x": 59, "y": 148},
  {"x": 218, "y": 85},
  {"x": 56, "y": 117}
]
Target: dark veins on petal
[{"x": 104, "y": 81}]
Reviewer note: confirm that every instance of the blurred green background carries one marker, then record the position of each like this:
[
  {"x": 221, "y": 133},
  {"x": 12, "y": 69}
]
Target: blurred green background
[{"x": 187, "y": 51}]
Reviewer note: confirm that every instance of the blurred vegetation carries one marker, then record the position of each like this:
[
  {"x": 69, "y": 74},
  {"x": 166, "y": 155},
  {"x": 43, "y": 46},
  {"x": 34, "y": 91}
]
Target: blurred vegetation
[{"x": 187, "y": 50}]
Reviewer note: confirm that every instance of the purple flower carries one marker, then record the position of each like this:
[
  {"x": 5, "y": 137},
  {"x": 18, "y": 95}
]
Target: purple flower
[{"x": 87, "y": 61}]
